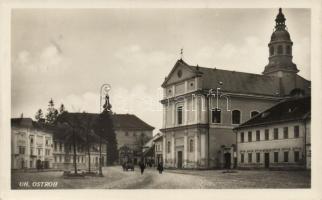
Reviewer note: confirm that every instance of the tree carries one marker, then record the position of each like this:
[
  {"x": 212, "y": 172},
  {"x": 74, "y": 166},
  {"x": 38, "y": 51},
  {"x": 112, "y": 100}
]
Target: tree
[
  {"x": 39, "y": 116},
  {"x": 52, "y": 113},
  {"x": 105, "y": 129}
]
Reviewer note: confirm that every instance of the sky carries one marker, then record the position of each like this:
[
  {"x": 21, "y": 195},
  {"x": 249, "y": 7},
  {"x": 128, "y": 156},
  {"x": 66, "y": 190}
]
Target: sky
[{"x": 67, "y": 54}]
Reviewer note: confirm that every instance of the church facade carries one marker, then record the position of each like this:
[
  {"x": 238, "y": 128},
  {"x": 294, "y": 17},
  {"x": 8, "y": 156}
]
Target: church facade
[{"x": 201, "y": 106}]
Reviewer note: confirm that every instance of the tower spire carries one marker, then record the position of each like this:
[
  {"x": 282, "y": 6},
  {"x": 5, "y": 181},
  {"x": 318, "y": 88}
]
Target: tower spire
[{"x": 280, "y": 20}]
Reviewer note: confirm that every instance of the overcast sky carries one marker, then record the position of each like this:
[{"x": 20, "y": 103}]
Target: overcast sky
[{"x": 68, "y": 54}]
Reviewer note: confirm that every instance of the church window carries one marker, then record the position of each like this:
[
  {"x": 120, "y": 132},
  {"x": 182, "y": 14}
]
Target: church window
[
  {"x": 253, "y": 113},
  {"x": 169, "y": 147},
  {"x": 271, "y": 51},
  {"x": 191, "y": 145},
  {"x": 288, "y": 49},
  {"x": 179, "y": 114},
  {"x": 216, "y": 116},
  {"x": 280, "y": 49},
  {"x": 236, "y": 117}
]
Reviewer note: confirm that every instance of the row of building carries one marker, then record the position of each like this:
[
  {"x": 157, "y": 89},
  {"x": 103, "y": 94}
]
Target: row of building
[{"x": 38, "y": 146}]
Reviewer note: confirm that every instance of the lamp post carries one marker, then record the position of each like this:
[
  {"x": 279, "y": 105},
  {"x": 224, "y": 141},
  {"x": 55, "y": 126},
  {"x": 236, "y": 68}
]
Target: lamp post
[{"x": 104, "y": 88}]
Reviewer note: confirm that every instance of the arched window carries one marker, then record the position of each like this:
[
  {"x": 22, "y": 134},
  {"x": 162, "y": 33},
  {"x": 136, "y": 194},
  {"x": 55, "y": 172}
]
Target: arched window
[
  {"x": 191, "y": 145},
  {"x": 169, "y": 147},
  {"x": 253, "y": 113},
  {"x": 179, "y": 115},
  {"x": 280, "y": 49},
  {"x": 236, "y": 117},
  {"x": 271, "y": 51}
]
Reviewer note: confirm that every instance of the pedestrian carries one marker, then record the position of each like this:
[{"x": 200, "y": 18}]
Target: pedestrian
[
  {"x": 142, "y": 166},
  {"x": 160, "y": 167}
]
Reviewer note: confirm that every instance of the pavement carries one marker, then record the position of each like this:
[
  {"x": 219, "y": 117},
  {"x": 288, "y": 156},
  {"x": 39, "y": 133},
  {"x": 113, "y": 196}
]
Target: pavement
[{"x": 116, "y": 178}]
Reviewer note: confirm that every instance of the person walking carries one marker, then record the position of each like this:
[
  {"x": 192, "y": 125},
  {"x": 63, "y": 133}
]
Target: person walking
[
  {"x": 160, "y": 167},
  {"x": 142, "y": 166}
]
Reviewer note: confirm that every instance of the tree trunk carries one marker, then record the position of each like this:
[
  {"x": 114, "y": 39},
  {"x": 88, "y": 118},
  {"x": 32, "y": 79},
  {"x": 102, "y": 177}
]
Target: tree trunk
[{"x": 89, "y": 157}]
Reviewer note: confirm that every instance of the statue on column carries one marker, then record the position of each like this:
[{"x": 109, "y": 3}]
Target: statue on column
[{"x": 107, "y": 106}]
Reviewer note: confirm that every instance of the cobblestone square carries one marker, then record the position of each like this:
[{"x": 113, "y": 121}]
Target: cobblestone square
[{"x": 116, "y": 178}]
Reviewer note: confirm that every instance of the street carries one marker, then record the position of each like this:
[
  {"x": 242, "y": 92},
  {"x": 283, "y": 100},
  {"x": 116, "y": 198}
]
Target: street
[{"x": 116, "y": 178}]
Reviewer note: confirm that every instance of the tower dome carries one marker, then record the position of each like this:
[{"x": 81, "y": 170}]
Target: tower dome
[{"x": 280, "y": 49}]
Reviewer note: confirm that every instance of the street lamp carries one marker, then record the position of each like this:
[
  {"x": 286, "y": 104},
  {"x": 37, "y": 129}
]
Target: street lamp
[{"x": 105, "y": 88}]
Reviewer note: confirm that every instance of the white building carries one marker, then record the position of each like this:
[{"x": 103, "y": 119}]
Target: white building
[
  {"x": 31, "y": 146},
  {"x": 278, "y": 137}
]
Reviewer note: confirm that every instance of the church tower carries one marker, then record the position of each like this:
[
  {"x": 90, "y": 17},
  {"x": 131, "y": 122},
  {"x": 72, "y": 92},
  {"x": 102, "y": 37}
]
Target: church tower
[{"x": 280, "y": 51}]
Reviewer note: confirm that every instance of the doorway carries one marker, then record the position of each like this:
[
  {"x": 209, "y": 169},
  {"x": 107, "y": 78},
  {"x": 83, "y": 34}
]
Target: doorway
[
  {"x": 227, "y": 158},
  {"x": 179, "y": 159},
  {"x": 266, "y": 160}
]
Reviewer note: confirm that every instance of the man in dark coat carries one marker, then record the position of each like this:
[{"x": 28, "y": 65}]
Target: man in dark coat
[
  {"x": 142, "y": 166},
  {"x": 160, "y": 167}
]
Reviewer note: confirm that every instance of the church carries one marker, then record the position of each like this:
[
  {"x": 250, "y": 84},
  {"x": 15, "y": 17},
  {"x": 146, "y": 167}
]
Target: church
[{"x": 201, "y": 105}]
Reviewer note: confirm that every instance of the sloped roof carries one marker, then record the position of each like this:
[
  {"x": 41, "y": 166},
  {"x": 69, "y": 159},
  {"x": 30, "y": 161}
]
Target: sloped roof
[
  {"x": 120, "y": 121},
  {"x": 296, "y": 108},
  {"x": 242, "y": 82},
  {"x": 22, "y": 122}
]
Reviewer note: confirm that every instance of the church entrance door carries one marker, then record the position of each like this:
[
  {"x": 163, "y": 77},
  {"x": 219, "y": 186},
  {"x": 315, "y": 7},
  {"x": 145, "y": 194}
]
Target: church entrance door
[{"x": 179, "y": 159}]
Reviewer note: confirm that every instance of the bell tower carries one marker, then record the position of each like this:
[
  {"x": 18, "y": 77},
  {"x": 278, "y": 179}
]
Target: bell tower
[{"x": 280, "y": 50}]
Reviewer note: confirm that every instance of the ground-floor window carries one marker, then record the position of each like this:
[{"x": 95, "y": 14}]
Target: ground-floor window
[
  {"x": 296, "y": 156},
  {"x": 286, "y": 156},
  {"x": 250, "y": 158},
  {"x": 258, "y": 157},
  {"x": 242, "y": 158},
  {"x": 276, "y": 157}
]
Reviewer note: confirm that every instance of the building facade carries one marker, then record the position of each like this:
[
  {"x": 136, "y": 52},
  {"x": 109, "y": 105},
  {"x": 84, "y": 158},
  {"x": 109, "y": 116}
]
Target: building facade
[
  {"x": 201, "y": 106},
  {"x": 31, "y": 147},
  {"x": 158, "y": 148},
  {"x": 277, "y": 138}
]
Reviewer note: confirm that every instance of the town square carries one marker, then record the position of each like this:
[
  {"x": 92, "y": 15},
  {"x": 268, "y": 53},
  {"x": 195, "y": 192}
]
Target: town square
[{"x": 161, "y": 99}]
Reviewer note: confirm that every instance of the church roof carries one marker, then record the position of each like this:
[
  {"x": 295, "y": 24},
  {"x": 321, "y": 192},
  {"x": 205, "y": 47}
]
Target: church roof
[
  {"x": 239, "y": 82},
  {"x": 292, "y": 109}
]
